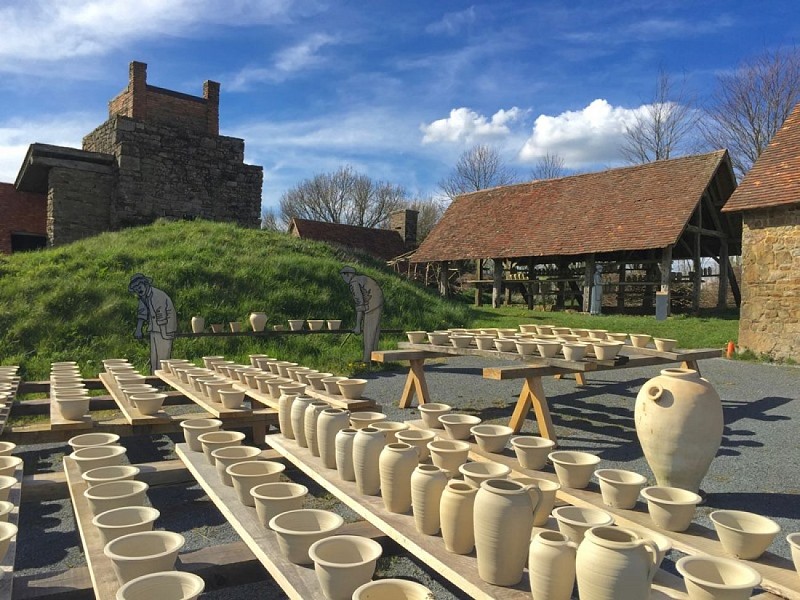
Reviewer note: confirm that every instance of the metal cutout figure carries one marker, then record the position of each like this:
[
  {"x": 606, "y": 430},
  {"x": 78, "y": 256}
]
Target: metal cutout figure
[
  {"x": 158, "y": 312},
  {"x": 368, "y": 298}
]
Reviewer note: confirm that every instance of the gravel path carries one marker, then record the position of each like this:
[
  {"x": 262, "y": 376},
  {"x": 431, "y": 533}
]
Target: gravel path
[{"x": 756, "y": 469}]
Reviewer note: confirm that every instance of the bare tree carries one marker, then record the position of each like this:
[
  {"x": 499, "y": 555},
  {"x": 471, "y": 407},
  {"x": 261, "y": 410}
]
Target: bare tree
[
  {"x": 750, "y": 104},
  {"x": 478, "y": 168},
  {"x": 430, "y": 211},
  {"x": 343, "y": 196},
  {"x": 549, "y": 166},
  {"x": 269, "y": 220},
  {"x": 662, "y": 127}
]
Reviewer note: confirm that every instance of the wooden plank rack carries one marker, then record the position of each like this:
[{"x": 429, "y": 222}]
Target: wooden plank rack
[{"x": 298, "y": 581}]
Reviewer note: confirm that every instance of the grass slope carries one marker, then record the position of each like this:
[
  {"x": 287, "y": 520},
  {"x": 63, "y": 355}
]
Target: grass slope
[{"x": 72, "y": 303}]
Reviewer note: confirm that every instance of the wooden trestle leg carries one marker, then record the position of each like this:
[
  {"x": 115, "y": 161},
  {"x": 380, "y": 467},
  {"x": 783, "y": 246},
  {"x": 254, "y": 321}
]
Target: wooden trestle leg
[
  {"x": 532, "y": 394},
  {"x": 416, "y": 385}
]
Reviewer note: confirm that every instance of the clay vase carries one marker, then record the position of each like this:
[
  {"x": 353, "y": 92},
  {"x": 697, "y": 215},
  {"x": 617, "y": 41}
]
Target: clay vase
[
  {"x": 427, "y": 486},
  {"x": 503, "y": 520},
  {"x": 614, "y": 563},
  {"x": 329, "y": 423},
  {"x": 551, "y": 566},
  {"x": 258, "y": 321},
  {"x": 367, "y": 446},
  {"x": 679, "y": 424},
  {"x": 344, "y": 454},
  {"x": 396, "y": 465},
  {"x": 285, "y": 414},
  {"x": 313, "y": 411},
  {"x": 198, "y": 324},
  {"x": 297, "y": 417},
  {"x": 456, "y": 515}
]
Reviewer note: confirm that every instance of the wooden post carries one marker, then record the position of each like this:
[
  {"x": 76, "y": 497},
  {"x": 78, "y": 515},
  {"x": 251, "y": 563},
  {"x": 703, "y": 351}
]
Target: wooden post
[
  {"x": 666, "y": 273},
  {"x": 444, "y": 286},
  {"x": 621, "y": 287},
  {"x": 497, "y": 283},
  {"x": 588, "y": 279},
  {"x": 698, "y": 273},
  {"x": 478, "y": 277},
  {"x": 722, "y": 292}
]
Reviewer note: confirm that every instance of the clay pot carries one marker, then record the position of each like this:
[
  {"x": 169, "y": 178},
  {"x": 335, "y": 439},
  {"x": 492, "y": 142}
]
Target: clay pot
[
  {"x": 458, "y": 425},
  {"x": 87, "y": 440},
  {"x": 344, "y": 563},
  {"x": 475, "y": 473},
  {"x": 620, "y": 489},
  {"x": 6, "y": 483},
  {"x": 250, "y": 473},
  {"x": 456, "y": 515},
  {"x": 352, "y": 389},
  {"x": 396, "y": 464},
  {"x": 5, "y": 509},
  {"x": 359, "y": 420},
  {"x": 334, "y": 324},
  {"x": 640, "y": 340},
  {"x": 213, "y": 388},
  {"x": 315, "y": 380},
  {"x": 6, "y": 448},
  {"x": 574, "y": 469},
  {"x": 392, "y": 589},
  {"x": 551, "y": 566},
  {"x": 73, "y": 409},
  {"x": 448, "y": 455},
  {"x": 491, "y": 438},
  {"x": 607, "y": 350},
  {"x": 460, "y": 340},
  {"x": 315, "y": 324},
  {"x": 526, "y": 347},
  {"x": 283, "y": 368},
  {"x": 198, "y": 324},
  {"x": 329, "y": 423},
  {"x": 142, "y": 553},
  {"x": 614, "y": 563},
  {"x": 216, "y": 328},
  {"x": 9, "y": 464},
  {"x": 285, "y": 414},
  {"x": 296, "y": 324},
  {"x": 743, "y": 534},
  {"x": 547, "y": 497},
  {"x": 484, "y": 342},
  {"x": 617, "y": 337},
  {"x": 313, "y": 411},
  {"x": 225, "y": 457},
  {"x": 575, "y": 521},
  {"x": 331, "y": 385},
  {"x": 117, "y": 522},
  {"x": 427, "y": 485},
  {"x": 219, "y": 439},
  {"x": 438, "y": 338},
  {"x": 344, "y": 454},
  {"x": 235, "y": 326},
  {"x": 274, "y": 498},
  {"x": 192, "y": 428},
  {"x": 7, "y": 532},
  {"x": 505, "y": 344},
  {"x": 418, "y": 438},
  {"x": 671, "y": 508},
  {"x": 664, "y": 344},
  {"x": 107, "y": 496},
  {"x": 258, "y": 320},
  {"x": 367, "y": 447},
  {"x": 262, "y": 383},
  {"x": 296, "y": 530},
  {"x": 100, "y": 475},
  {"x": 714, "y": 578},
  {"x": 89, "y": 458},
  {"x": 662, "y": 542},
  {"x": 532, "y": 451},
  {"x": 417, "y": 337},
  {"x": 430, "y": 413},
  {"x": 168, "y": 585},
  {"x": 574, "y": 350},
  {"x": 390, "y": 429},
  {"x": 294, "y": 373},
  {"x": 503, "y": 519},
  {"x": 549, "y": 349},
  {"x": 297, "y": 416},
  {"x": 794, "y": 545},
  {"x": 148, "y": 404}
]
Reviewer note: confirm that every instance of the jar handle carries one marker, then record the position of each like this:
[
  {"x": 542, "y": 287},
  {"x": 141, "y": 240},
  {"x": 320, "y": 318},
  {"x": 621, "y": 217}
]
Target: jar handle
[
  {"x": 654, "y": 392},
  {"x": 652, "y": 549},
  {"x": 530, "y": 488}
]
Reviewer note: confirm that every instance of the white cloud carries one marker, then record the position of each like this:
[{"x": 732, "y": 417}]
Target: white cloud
[
  {"x": 586, "y": 137},
  {"x": 465, "y": 125},
  {"x": 452, "y": 23}
]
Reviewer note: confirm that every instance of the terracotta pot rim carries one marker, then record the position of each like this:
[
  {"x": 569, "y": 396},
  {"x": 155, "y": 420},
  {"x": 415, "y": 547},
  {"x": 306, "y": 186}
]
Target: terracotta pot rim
[
  {"x": 197, "y": 582},
  {"x": 690, "y": 498},
  {"x": 257, "y": 491},
  {"x": 770, "y": 526},
  {"x": 151, "y": 515},
  {"x": 176, "y": 539},
  {"x": 684, "y": 568},
  {"x": 541, "y": 443},
  {"x": 561, "y": 512},
  {"x": 559, "y": 457},
  {"x": 334, "y": 522},
  {"x": 374, "y": 548},
  {"x": 195, "y": 423}
]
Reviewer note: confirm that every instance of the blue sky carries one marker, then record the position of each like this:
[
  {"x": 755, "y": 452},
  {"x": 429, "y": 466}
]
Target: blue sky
[{"x": 396, "y": 89}]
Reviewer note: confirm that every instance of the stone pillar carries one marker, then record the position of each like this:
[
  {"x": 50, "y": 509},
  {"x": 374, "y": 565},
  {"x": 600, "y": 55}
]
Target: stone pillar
[
  {"x": 211, "y": 94},
  {"x": 137, "y": 87},
  {"x": 404, "y": 222}
]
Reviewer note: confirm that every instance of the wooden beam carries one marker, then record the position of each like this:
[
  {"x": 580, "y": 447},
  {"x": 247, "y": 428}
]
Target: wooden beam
[
  {"x": 722, "y": 291},
  {"x": 666, "y": 274},
  {"x": 444, "y": 284},
  {"x": 478, "y": 277},
  {"x": 697, "y": 260},
  {"x": 737, "y": 293},
  {"x": 707, "y": 232},
  {"x": 588, "y": 279},
  {"x": 497, "y": 282}
]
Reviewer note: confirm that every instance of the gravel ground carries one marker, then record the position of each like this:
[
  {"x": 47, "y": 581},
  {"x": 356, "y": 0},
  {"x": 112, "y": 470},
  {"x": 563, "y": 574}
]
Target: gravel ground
[{"x": 756, "y": 468}]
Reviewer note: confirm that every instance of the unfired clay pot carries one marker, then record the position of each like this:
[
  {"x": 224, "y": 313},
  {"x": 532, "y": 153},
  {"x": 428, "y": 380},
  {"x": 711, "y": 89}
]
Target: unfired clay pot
[
  {"x": 219, "y": 439},
  {"x": 9, "y": 464},
  {"x": 671, "y": 508},
  {"x": 248, "y": 474},
  {"x": 679, "y": 424},
  {"x": 574, "y": 469},
  {"x": 361, "y": 419},
  {"x": 457, "y": 425},
  {"x": 225, "y": 457},
  {"x": 167, "y": 585},
  {"x": 715, "y": 578},
  {"x": 427, "y": 485},
  {"x": 491, "y": 438},
  {"x": 272, "y": 499},
  {"x": 396, "y": 463},
  {"x": 329, "y": 423},
  {"x": 142, "y": 553},
  {"x": 343, "y": 563},
  {"x": 620, "y": 489},
  {"x": 94, "y": 457},
  {"x": 393, "y": 589},
  {"x": 100, "y": 475},
  {"x": 107, "y": 496},
  {"x": 198, "y": 324},
  {"x": 475, "y": 473},
  {"x": 117, "y": 522},
  {"x": 794, "y": 545},
  {"x": 88, "y": 440},
  {"x": 7, "y": 532},
  {"x": 285, "y": 413},
  {"x": 547, "y": 497},
  {"x": 352, "y": 389},
  {"x": 367, "y": 446},
  {"x": 448, "y": 455},
  {"x": 298, "y": 529},
  {"x": 73, "y": 408},
  {"x": 456, "y": 515},
  {"x": 430, "y": 413},
  {"x": 575, "y": 521},
  {"x": 258, "y": 320},
  {"x": 743, "y": 534},
  {"x": 194, "y": 427},
  {"x": 531, "y": 450},
  {"x": 344, "y": 453},
  {"x": 418, "y": 438},
  {"x": 551, "y": 566},
  {"x": 390, "y": 429},
  {"x": 313, "y": 411},
  {"x": 297, "y": 416}
]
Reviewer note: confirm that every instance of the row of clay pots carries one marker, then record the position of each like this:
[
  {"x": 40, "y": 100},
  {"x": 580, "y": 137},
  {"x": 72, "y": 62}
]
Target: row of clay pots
[
  {"x": 8, "y": 466},
  {"x": 68, "y": 390},
  {"x": 314, "y": 324},
  {"x": 146, "y": 398}
]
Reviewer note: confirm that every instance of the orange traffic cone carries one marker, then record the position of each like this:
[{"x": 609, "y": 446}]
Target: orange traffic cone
[{"x": 730, "y": 350}]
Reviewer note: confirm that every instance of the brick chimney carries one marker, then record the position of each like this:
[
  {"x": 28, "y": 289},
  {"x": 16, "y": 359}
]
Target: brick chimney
[{"x": 404, "y": 222}]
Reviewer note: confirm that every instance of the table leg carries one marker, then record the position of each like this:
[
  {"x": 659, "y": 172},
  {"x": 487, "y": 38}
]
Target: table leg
[
  {"x": 558, "y": 376},
  {"x": 532, "y": 394},
  {"x": 579, "y": 378},
  {"x": 415, "y": 384},
  {"x": 691, "y": 364},
  {"x": 259, "y": 432}
]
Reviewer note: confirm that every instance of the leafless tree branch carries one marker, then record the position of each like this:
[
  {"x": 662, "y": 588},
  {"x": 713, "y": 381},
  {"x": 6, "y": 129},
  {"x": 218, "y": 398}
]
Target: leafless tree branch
[{"x": 478, "y": 168}]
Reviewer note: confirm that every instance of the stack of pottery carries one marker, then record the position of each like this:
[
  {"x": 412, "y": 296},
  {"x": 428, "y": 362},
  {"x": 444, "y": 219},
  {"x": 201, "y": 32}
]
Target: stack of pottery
[{"x": 68, "y": 390}]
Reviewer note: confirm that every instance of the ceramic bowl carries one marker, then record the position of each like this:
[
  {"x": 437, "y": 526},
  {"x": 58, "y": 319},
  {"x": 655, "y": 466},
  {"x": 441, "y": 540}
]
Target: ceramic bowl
[
  {"x": 315, "y": 324},
  {"x": 606, "y": 350},
  {"x": 620, "y": 489},
  {"x": 6, "y": 483},
  {"x": 418, "y": 438},
  {"x": 532, "y": 451},
  {"x": 100, "y": 475},
  {"x": 458, "y": 425},
  {"x": 390, "y": 429},
  {"x": 548, "y": 349},
  {"x": 640, "y": 340},
  {"x": 460, "y": 340},
  {"x": 97, "y": 456},
  {"x": 343, "y": 563},
  {"x": 6, "y": 448},
  {"x": 392, "y": 589},
  {"x": 192, "y": 428},
  {"x": 794, "y": 545},
  {"x": 332, "y": 385},
  {"x": 665, "y": 344},
  {"x": 148, "y": 404},
  {"x": 166, "y": 585},
  {"x": 476, "y": 473},
  {"x": 334, "y": 324},
  {"x": 439, "y": 338},
  {"x": 7, "y": 532},
  {"x": 430, "y": 413},
  {"x": 73, "y": 408},
  {"x": 117, "y": 522},
  {"x": 219, "y": 439},
  {"x": 352, "y": 389},
  {"x": 671, "y": 508},
  {"x": 448, "y": 455},
  {"x": 575, "y": 521},
  {"x": 250, "y": 473},
  {"x": 272, "y": 499},
  {"x": 574, "y": 469},
  {"x": 225, "y": 457},
  {"x": 359, "y": 420},
  {"x": 743, "y": 534},
  {"x": 505, "y": 344},
  {"x": 526, "y": 347},
  {"x": 296, "y": 530},
  {"x": 116, "y": 494},
  {"x": 574, "y": 350},
  {"x": 296, "y": 324},
  {"x": 5, "y": 510},
  {"x": 708, "y": 577},
  {"x": 231, "y": 399},
  {"x": 142, "y": 553},
  {"x": 484, "y": 342},
  {"x": 315, "y": 380},
  {"x": 492, "y": 438}
]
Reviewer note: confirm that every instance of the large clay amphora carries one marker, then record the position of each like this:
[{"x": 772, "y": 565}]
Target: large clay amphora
[
  {"x": 615, "y": 563},
  {"x": 551, "y": 566},
  {"x": 330, "y": 422},
  {"x": 679, "y": 423},
  {"x": 502, "y": 520}
]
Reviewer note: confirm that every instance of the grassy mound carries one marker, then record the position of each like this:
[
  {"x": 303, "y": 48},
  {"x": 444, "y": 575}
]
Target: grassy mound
[{"x": 72, "y": 302}]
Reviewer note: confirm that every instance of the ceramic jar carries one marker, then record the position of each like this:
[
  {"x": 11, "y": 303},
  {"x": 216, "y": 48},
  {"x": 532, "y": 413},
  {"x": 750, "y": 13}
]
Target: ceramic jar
[
  {"x": 329, "y": 423},
  {"x": 367, "y": 446},
  {"x": 679, "y": 424},
  {"x": 456, "y": 515},
  {"x": 297, "y": 417},
  {"x": 502, "y": 520},
  {"x": 396, "y": 465},
  {"x": 344, "y": 454},
  {"x": 427, "y": 485},
  {"x": 614, "y": 563},
  {"x": 313, "y": 411},
  {"x": 198, "y": 324},
  {"x": 285, "y": 414},
  {"x": 258, "y": 320},
  {"x": 551, "y": 566}
]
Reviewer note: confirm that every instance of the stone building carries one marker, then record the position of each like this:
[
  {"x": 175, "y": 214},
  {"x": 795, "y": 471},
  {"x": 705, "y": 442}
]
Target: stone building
[
  {"x": 159, "y": 154},
  {"x": 769, "y": 202}
]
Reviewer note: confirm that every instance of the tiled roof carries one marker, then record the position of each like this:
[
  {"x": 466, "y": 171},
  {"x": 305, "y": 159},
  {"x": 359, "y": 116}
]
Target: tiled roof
[
  {"x": 774, "y": 179},
  {"x": 381, "y": 243},
  {"x": 631, "y": 208}
]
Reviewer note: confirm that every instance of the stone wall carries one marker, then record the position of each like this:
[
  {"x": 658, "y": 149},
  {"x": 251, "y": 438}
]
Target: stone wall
[
  {"x": 78, "y": 204},
  {"x": 20, "y": 212},
  {"x": 770, "y": 314}
]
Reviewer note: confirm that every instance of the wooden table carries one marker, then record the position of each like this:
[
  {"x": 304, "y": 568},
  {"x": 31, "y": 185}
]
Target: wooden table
[
  {"x": 335, "y": 400},
  {"x": 532, "y": 394}
]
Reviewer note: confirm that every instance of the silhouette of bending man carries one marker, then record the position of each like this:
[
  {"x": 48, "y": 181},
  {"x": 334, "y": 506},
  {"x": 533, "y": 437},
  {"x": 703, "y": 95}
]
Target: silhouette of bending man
[
  {"x": 157, "y": 311},
  {"x": 368, "y": 298}
]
